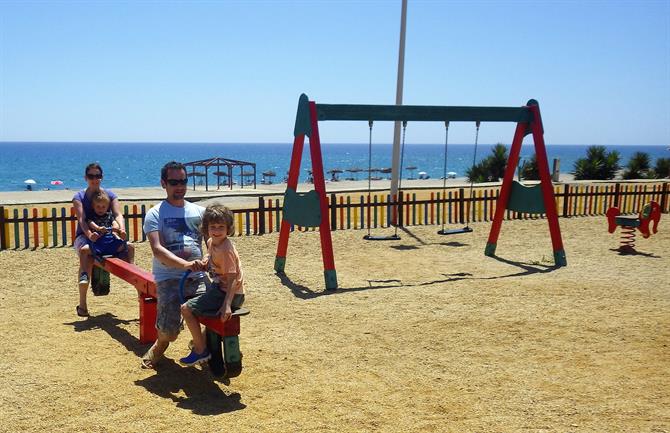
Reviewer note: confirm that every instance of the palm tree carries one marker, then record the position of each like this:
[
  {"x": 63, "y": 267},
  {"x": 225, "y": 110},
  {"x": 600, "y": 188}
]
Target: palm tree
[
  {"x": 662, "y": 168},
  {"x": 598, "y": 164},
  {"x": 498, "y": 161},
  {"x": 491, "y": 168},
  {"x": 529, "y": 170},
  {"x": 638, "y": 166}
]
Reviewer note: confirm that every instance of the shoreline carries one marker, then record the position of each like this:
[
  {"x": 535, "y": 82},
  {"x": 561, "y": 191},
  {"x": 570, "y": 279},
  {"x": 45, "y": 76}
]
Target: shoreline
[{"x": 238, "y": 196}]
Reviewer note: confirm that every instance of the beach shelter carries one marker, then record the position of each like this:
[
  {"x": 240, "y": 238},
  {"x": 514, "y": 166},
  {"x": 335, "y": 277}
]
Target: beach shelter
[{"x": 218, "y": 163}]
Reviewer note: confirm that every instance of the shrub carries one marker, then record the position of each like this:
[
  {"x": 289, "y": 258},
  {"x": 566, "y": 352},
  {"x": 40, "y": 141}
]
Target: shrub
[
  {"x": 638, "y": 166},
  {"x": 529, "y": 170},
  {"x": 662, "y": 168},
  {"x": 598, "y": 164},
  {"x": 491, "y": 168}
]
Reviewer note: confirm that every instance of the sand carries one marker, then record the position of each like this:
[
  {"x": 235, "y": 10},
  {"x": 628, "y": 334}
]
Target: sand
[{"x": 424, "y": 335}]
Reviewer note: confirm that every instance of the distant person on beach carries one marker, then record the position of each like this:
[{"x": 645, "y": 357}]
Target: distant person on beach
[
  {"x": 112, "y": 240},
  {"x": 173, "y": 230},
  {"x": 226, "y": 293},
  {"x": 82, "y": 202}
]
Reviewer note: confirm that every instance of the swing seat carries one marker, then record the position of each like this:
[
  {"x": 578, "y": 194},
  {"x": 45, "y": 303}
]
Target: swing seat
[
  {"x": 465, "y": 229},
  {"x": 302, "y": 209},
  {"x": 526, "y": 199},
  {"x": 381, "y": 238}
]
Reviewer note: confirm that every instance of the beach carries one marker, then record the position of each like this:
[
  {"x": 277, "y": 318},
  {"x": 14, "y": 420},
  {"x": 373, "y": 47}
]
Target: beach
[
  {"x": 423, "y": 335},
  {"x": 240, "y": 196},
  {"x": 236, "y": 196}
]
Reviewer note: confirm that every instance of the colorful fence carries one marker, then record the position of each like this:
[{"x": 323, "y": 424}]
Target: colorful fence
[{"x": 55, "y": 227}]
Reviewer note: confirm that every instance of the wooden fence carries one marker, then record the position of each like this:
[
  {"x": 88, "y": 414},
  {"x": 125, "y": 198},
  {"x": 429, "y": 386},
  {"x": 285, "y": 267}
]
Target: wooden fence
[{"x": 52, "y": 227}]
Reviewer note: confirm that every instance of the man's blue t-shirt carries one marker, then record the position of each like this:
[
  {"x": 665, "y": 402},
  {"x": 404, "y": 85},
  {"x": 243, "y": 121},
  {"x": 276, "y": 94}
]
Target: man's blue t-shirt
[
  {"x": 179, "y": 231},
  {"x": 88, "y": 205}
]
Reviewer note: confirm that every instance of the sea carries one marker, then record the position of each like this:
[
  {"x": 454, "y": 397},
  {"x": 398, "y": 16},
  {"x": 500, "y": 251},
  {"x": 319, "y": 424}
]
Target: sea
[{"x": 60, "y": 165}]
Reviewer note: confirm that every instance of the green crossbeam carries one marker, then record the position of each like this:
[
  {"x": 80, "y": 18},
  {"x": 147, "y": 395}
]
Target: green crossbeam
[{"x": 425, "y": 113}]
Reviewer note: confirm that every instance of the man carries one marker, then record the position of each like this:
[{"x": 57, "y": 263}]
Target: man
[{"x": 173, "y": 229}]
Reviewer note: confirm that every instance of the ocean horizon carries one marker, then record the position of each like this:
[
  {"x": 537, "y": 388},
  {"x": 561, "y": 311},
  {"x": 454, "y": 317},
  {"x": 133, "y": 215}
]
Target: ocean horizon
[{"x": 138, "y": 164}]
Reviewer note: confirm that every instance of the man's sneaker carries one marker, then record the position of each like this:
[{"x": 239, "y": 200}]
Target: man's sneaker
[
  {"x": 194, "y": 358},
  {"x": 83, "y": 278}
]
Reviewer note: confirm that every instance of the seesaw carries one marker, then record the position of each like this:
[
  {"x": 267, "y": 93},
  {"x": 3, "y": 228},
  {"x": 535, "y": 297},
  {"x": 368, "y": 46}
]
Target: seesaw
[{"x": 222, "y": 337}]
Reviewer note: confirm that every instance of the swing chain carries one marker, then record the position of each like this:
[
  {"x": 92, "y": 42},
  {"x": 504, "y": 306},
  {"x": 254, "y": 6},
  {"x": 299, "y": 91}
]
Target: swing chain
[
  {"x": 444, "y": 175},
  {"x": 472, "y": 180}
]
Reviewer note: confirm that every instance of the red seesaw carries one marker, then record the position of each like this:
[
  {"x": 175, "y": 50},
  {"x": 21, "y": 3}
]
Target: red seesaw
[{"x": 222, "y": 337}]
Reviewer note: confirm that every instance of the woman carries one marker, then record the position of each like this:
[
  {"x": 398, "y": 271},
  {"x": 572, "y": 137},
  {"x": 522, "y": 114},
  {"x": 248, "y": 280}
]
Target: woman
[{"x": 83, "y": 206}]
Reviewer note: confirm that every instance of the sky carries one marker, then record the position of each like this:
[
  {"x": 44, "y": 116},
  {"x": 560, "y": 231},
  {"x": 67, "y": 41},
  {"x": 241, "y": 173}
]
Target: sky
[{"x": 232, "y": 71}]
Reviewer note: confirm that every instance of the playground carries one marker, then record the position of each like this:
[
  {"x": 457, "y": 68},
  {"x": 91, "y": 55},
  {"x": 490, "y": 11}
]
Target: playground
[{"x": 424, "y": 334}]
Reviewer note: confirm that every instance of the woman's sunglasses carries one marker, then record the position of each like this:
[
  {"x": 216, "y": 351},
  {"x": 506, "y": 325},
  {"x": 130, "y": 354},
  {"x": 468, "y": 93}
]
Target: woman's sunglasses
[
  {"x": 175, "y": 182},
  {"x": 93, "y": 176}
]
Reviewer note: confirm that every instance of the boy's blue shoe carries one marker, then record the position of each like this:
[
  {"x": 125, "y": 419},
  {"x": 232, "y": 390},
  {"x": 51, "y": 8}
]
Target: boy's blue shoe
[{"x": 194, "y": 358}]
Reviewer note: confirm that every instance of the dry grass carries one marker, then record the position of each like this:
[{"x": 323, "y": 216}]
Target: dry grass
[{"x": 425, "y": 334}]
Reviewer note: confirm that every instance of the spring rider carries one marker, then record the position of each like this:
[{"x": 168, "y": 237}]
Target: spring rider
[{"x": 651, "y": 212}]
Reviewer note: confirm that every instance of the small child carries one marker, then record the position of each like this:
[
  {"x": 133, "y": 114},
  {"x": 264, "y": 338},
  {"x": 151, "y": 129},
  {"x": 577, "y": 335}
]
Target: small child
[
  {"x": 112, "y": 240},
  {"x": 226, "y": 292}
]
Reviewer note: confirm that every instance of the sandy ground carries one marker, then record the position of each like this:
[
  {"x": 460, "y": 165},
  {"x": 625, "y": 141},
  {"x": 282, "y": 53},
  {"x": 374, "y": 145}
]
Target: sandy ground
[{"x": 424, "y": 335}]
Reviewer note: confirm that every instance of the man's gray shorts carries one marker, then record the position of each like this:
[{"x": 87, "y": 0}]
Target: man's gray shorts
[{"x": 168, "y": 315}]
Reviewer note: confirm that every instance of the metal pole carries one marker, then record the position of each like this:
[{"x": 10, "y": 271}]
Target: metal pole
[{"x": 395, "y": 168}]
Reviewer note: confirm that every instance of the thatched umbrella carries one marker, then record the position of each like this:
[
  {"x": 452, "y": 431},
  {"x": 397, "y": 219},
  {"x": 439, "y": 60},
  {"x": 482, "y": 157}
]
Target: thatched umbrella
[
  {"x": 355, "y": 171},
  {"x": 249, "y": 175},
  {"x": 268, "y": 175},
  {"x": 373, "y": 170},
  {"x": 195, "y": 174},
  {"x": 333, "y": 173},
  {"x": 411, "y": 169},
  {"x": 220, "y": 174}
]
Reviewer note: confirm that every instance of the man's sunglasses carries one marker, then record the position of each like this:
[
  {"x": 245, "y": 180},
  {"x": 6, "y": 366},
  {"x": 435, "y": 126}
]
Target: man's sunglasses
[
  {"x": 175, "y": 182},
  {"x": 94, "y": 176}
]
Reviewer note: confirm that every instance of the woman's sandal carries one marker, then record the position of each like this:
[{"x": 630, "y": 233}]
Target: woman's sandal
[{"x": 82, "y": 312}]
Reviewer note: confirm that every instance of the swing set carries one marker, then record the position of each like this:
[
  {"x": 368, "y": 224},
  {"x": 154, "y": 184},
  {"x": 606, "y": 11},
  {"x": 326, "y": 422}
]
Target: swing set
[{"x": 311, "y": 209}]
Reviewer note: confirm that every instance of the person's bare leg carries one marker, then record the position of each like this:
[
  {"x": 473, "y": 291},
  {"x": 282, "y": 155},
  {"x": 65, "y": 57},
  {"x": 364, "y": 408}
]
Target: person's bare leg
[
  {"x": 85, "y": 265},
  {"x": 193, "y": 325},
  {"x": 156, "y": 351}
]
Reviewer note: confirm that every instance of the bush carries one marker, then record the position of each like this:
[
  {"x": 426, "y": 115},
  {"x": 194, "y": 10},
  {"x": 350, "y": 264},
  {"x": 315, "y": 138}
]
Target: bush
[
  {"x": 491, "y": 168},
  {"x": 638, "y": 167},
  {"x": 662, "y": 168},
  {"x": 529, "y": 169},
  {"x": 598, "y": 164}
]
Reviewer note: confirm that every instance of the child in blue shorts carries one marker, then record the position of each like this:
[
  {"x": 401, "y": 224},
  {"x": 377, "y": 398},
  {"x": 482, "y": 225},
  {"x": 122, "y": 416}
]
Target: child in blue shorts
[
  {"x": 112, "y": 240},
  {"x": 226, "y": 292}
]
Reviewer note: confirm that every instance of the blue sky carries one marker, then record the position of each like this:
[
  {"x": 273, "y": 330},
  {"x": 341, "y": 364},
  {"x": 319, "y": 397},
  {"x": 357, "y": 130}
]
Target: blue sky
[{"x": 232, "y": 71}]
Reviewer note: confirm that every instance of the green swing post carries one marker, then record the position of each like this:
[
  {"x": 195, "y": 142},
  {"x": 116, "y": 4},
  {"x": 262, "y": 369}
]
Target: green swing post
[
  {"x": 536, "y": 199},
  {"x": 307, "y": 209}
]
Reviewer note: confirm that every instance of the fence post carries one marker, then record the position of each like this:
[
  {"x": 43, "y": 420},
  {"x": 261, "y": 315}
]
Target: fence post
[
  {"x": 566, "y": 191},
  {"x": 3, "y": 239},
  {"x": 261, "y": 215},
  {"x": 461, "y": 205},
  {"x": 333, "y": 212},
  {"x": 617, "y": 191},
  {"x": 664, "y": 196}
]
